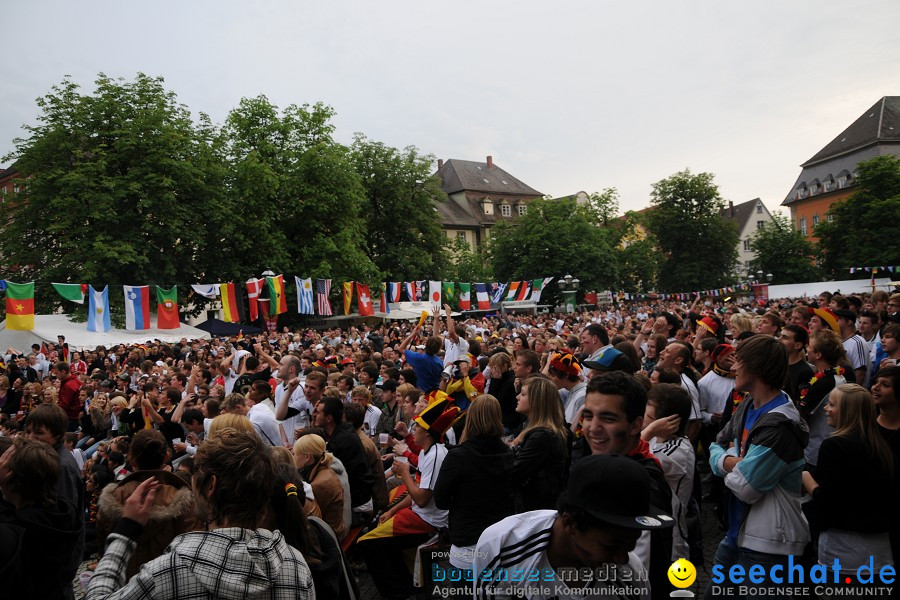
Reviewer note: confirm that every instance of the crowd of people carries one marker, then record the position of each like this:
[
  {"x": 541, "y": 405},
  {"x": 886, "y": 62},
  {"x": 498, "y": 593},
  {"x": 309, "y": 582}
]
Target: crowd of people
[{"x": 446, "y": 455}]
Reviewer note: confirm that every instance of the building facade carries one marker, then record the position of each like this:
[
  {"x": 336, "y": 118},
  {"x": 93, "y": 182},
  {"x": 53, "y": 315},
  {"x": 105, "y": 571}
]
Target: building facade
[
  {"x": 750, "y": 216},
  {"x": 479, "y": 195},
  {"x": 829, "y": 176}
]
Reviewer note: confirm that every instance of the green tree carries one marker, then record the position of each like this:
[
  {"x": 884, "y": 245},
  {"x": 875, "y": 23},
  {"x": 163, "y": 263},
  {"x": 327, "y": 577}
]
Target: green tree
[
  {"x": 468, "y": 264},
  {"x": 864, "y": 229},
  {"x": 638, "y": 252},
  {"x": 294, "y": 193},
  {"x": 404, "y": 238},
  {"x": 698, "y": 246},
  {"x": 555, "y": 238},
  {"x": 784, "y": 252},
  {"x": 120, "y": 187}
]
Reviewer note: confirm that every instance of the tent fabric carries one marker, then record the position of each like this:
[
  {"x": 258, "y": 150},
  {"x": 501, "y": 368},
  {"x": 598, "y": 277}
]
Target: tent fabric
[
  {"x": 218, "y": 327},
  {"x": 48, "y": 327}
]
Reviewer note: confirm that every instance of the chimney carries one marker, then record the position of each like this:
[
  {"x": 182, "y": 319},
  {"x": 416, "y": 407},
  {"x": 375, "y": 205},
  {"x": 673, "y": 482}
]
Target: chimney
[
  {"x": 440, "y": 165},
  {"x": 490, "y": 162},
  {"x": 731, "y": 208}
]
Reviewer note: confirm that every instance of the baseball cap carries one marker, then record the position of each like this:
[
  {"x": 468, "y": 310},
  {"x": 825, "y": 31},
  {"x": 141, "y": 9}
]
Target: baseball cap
[
  {"x": 845, "y": 314},
  {"x": 611, "y": 360},
  {"x": 389, "y": 385},
  {"x": 592, "y": 480}
]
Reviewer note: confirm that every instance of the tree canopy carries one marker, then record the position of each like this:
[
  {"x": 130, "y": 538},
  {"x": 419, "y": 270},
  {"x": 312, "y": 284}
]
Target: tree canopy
[
  {"x": 698, "y": 245},
  {"x": 864, "y": 229},
  {"x": 784, "y": 252}
]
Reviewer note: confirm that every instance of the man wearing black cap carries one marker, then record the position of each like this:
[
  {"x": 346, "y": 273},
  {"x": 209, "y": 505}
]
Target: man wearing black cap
[{"x": 570, "y": 552}]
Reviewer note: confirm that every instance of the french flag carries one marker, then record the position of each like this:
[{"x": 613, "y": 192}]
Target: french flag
[
  {"x": 137, "y": 306},
  {"x": 393, "y": 289}
]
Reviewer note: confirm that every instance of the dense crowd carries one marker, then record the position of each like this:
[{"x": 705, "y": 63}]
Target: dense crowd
[{"x": 450, "y": 454}]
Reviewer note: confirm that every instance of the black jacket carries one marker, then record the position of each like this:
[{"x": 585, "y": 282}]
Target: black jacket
[
  {"x": 539, "y": 471},
  {"x": 344, "y": 443},
  {"x": 504, "y": 390},
  {"x": 39, "y": 565},
  {"x": 475, "y": 485}
]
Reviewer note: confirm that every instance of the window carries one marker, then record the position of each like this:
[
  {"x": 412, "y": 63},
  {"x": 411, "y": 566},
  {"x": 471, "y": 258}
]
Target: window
[
  {"x": 488, "y": 206},
  {"x": 802, "y": 193},
  {"x": 803, "y": 226},
  {"x": 842, "y": 182},
  {"x": 759, "y": 224},
  {"x": 813, "y": 189},
  {"x": 829, "y": 217},
  {"x": 747, "y": 245},
  {"x": 461, "y": 235},
  {"x": 759, "y": 208},
  {"x": 815, "y": 220},
  {"x": 523, "y": 209},
  {"x": 15, "y": 187},
  {"x": 506, "y": 210}
]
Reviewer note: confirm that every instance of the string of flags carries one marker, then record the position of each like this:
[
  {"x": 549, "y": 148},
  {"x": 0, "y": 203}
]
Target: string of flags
[
  {"x": 874, "y": 270},
  {"x": 714, "y": 292},
  {"x": 312, "y": 298}
]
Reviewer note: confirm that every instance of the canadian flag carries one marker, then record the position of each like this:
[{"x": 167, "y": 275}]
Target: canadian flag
[
  {"x": 364, "y": 300},
  {"x": 434, "y": 293}
]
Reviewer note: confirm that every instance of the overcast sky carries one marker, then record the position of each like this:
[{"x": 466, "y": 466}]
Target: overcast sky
[{"x": 566, "y": 96}]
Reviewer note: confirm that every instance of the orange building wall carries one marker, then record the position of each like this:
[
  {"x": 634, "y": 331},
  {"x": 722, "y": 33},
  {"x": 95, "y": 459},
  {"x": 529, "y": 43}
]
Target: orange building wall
[{"x": 817, "y": 205}]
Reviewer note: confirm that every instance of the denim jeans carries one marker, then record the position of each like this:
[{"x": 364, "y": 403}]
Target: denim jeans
[{"x": 728, "y": 555}]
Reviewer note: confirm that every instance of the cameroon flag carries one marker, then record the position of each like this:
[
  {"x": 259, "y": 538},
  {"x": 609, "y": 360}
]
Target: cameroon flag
[{"x": 19, "y": 305}]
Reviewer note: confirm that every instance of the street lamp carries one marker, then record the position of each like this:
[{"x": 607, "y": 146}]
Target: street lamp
[{"x": 568, "y": 285}]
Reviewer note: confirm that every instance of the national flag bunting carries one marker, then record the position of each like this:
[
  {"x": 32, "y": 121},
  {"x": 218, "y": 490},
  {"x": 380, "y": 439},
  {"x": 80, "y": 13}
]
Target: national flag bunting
[
  {"x": 232, "y": 303},
  {"x": 98, "y": 309},
  {"x": 323, "y": 289},
  {"x": 364, "y": 300},
  {"x": 499, "y": 290},
  {"x": 348, "y": 296},
  {"x": 73, "y": 292},
  {"x": 277, "y": 299},
  {"x": 420, "y": 290},
  {"x": 207, "y": 290},
  {"x": 434, "y": 293},
  {"x": 167, "y": 308},
  {"x": 481, "y": 296},
  {"x": 393, "y": 289},
  {"x": 524, "y": 291},
  {"x": 448, "y": 291},
  {"x": 304, "y": 296},
  {"x": 254, "y": 287},
  {"x": 465, "y": 302},
  {"x": 137, "y": 306},
  {"x": 512, "y": 290},
  {"x": 19, "y": 305},
  {"x": 409, "y": 288},
  {"x": 385, "y": 307},
  {"x": 537, "y": 287}
]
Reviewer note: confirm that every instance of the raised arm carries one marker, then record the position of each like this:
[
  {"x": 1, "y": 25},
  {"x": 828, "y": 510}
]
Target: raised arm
[
  {"x": 451, "y": 326},
  {"x": 408, "y": 340}
]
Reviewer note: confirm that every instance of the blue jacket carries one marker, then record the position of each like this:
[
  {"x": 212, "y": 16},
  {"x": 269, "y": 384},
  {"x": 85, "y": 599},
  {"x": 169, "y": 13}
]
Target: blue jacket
[{"x": 768, "y": 481}]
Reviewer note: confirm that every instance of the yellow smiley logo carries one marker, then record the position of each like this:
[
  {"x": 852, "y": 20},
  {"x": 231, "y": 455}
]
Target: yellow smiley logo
[{"x": 682, "y": 573}]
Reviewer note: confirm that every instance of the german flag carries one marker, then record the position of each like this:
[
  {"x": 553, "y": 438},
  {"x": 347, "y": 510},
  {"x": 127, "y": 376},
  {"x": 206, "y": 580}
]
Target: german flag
[{"x": 232, "y": 303}]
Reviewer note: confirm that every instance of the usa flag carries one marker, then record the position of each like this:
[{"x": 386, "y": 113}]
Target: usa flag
[{"x": 323, "y": 289}]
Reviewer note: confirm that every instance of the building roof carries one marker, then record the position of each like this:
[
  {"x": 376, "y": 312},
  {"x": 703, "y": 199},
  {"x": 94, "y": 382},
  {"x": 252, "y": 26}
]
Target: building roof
[
  {"x": 881, "y": 123},
  {"x": 741, "y": 213},
  {"x": 875, "y": 132},
  {"x": 8, "y": 172},
  {"x": 467, "y": 175}
]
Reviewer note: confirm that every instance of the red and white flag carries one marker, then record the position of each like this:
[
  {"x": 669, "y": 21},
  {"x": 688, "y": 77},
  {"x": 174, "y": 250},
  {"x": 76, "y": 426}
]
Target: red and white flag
[
  {"x": 434, "y": 293},
  {"x": 323, "y": 289},
  {"x": 254, "y": 286},
  {"x": 364, "y": 300}
]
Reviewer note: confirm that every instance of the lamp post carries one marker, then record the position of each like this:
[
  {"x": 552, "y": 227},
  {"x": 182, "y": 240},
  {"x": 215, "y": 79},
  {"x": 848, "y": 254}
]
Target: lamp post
[{"x": 568, "y": 285}]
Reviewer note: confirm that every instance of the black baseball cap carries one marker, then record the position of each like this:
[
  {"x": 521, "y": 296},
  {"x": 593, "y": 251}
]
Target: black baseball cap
[
  {"x": 845, "y": 314},
  {"x": 615, "y": 490}
]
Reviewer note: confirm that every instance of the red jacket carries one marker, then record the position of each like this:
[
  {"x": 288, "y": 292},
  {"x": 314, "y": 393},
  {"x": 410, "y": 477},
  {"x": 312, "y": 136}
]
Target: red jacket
[{"x": 68, "y": 397}]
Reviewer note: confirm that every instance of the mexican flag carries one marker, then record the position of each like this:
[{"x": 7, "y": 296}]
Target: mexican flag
[
  {"x": 167, "y": 308},
  {"x": 19, "y": 305},
  {"x": 73, "y": 292}
]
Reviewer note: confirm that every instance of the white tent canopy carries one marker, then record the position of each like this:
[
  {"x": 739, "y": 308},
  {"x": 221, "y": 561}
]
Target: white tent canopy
[
  {"x": 48, "y": 327},
  {"x": 848, "y": 286}
]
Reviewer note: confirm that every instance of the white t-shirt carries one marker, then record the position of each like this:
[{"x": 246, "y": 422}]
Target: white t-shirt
[
  {"x": 694, "y": 393},
  {"x": 266, "y": 425},
  {"x": 715, "y": 391},
  {"x": 518, "y": 545},
  {"x": 370, "y": 422},
  {"x": 298, "y": 401},
  {"x": 452, "y": 351},
  {"x": 858, "y": 355},
  {"x": 574, "y": 401},
  {"x": 230, "y": 378},
  {"x": 430, "y": 467},
  {"x": 677, "y": 460}
]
